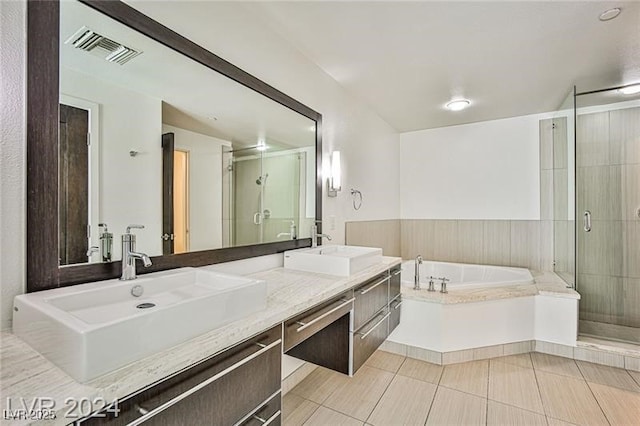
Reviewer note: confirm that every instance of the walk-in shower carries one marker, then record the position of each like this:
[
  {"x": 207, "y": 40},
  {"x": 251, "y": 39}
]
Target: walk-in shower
[{"x": 607, "y": 212}]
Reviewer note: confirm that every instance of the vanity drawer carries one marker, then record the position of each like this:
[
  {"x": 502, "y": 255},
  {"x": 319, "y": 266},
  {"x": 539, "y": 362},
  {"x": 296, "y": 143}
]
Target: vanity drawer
[
  {"x": 268, "y": 413},
  {"x": 310, "y": 322},
  {"x": 369, "y": 338},
  {"x": 208, "y": 392},
  {"x": 394, "y": 282},
  {"x": 394, "y": 308},
  {"x": 370, "y": 298}
]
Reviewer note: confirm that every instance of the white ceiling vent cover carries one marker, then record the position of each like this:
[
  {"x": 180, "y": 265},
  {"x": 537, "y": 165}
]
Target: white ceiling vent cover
[{"x": 101, "y": 46}]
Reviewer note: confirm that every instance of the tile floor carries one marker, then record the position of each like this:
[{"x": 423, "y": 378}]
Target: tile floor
[{"x": 527, "y": 389}]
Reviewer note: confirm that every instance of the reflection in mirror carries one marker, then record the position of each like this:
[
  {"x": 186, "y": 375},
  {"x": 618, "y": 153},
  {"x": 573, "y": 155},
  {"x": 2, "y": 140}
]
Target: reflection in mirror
[{"x": 150, "y": 136}]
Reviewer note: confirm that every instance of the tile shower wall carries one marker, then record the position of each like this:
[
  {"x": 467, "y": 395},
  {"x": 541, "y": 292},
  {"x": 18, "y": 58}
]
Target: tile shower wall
[{"x": 608, "y": 182}]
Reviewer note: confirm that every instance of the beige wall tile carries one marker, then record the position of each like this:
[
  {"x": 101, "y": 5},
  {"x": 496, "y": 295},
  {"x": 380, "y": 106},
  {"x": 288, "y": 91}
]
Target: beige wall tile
[
  {"x": 405, "y": 402},
  {"x": 600, "y": 252},
  {"x": 560, "y": 194},
  {"x": 560, "y": 140},
  {"x": 561, "y": 245},
  {"x": 445, "y": 237},
  {"x": 296, "y": 410},
  {"x": 394, "y": 348},
  {"x": 569, "y": 399},
  {"x": 631, "y": 302},
  {"x": 500, "y": 415},
  {"x": 470, "y": 241},
  {"x": 416, "y": 238},
  {"x": 375, "y": 233},
  {"x": 451, "y": 407},
  {"x": 624, "y": 135},
  {"x": 488, "y": 352},
  {"x": 592, "y": 128},
  {"x": 546, "y": 245},
  {"x": 323, "y": 416},
  {"x": 602, "y": 298},
  {"x": 514, "y": 385},
  {"x": 424, "y": 355},
  {"x": 470, "y": 377},
  {"x": 518, "y": 347},
  {"x": 497, "y": 242},
  {"x": 632, "y": 364},
  {"x": 598, "y": 357},
  {"x": 610, "y": 376},
  {"x": 553, "y": 349},
  {"x": 546, "y": 144},
  {"x": 358, "y": 396},
  {"x": 622, "y": 407},
  {"x": 421, "y": 370},
  {"x": 525, "y": 243},
  {"x": 546, "y": 194},
  {"x": 455, "y": 357},
  {"x": 385, "y": 361},
  {"x": 631, "y": 250},
  {"x": 555, "y": 364}
]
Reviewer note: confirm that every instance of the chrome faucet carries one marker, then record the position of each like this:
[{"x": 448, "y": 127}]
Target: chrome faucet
[
  {"x": 315, "y": 235},
  {"x": 443, "y": 285},
  {"x": 293, "y": 231},
  {"x": 416, "y": 275},
  {"x": 129, "y": 254}
]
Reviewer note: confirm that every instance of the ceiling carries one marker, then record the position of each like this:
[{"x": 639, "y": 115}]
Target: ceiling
[
  {"x": 204, "y": 101},
  {"x": 408, "y": 59}
]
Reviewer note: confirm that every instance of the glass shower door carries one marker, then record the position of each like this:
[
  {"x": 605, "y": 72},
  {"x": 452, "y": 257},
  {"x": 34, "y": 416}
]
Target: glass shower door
[{"x": 607, "y": 221}]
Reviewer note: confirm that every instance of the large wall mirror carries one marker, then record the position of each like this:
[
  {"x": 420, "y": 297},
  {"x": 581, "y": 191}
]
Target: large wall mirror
[{"x": 153, "y": 130}]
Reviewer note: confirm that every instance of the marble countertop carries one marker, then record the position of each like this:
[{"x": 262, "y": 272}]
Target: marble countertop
[
  {"x": 546, "y": 284},
  {"x": 26, "y": 375}
]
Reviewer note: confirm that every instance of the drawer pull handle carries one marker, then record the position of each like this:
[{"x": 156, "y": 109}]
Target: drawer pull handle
[
  {"x": 398, "y": 272},
  {"x": 267, "y": 421},
  {"x": 203, "y": 384},
  {"x": 368, "y": 289},
  {"x": 262, "y": 345},
  {"x": 140, "y": 409},
  {"x": 305, "y": 325},
  {"x": 363, "y": 336},
  {"x": 397, "y": 305}
]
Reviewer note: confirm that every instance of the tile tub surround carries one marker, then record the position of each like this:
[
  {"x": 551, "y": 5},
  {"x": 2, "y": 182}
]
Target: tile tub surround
[
  {"x": 519, "y": 243},
  {"x": 375, "y": 233},
  {"x": 505, "y": 390},
  {"x": 24, "y": 373},
  {"x": 470, "y": 323}
]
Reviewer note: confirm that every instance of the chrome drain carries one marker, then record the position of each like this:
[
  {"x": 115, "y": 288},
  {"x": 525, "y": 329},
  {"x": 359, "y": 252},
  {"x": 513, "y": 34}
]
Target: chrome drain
[{"x": 145, "y": 305}]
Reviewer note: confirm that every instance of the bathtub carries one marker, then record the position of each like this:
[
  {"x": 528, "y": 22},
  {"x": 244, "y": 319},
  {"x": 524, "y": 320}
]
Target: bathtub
[
  {"x": 489, "y": 310},
  {"x": 463, "y": 276}
]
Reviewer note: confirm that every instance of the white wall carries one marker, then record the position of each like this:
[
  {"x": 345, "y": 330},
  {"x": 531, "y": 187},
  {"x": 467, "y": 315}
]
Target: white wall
[
  {"x": 12, "y": 155},
  {"x": 485, "y": 170},
  {"x": 205, "y": 186},
  {"x": 130, "y": 187}
]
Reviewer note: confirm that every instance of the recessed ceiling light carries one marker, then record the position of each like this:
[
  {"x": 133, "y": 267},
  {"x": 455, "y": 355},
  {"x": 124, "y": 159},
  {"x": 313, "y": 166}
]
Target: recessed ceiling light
[
  {"x": 608, "y": 15},
  {"x": 261, "y": 145},
  {"x": 630, "y": 90},
  {"x": 458, "y": 104}
]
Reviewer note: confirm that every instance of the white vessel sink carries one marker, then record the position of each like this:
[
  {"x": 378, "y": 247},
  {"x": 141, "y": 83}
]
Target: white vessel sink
[
  {"x": 334, "y": 260},
  {"x": 90, "y": 329}
]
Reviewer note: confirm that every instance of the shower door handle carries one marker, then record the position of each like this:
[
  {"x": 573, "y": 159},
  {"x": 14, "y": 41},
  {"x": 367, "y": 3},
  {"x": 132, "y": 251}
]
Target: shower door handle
[
  {"x": 257, "y": 218},
  {"x": 587, "y": 221}
]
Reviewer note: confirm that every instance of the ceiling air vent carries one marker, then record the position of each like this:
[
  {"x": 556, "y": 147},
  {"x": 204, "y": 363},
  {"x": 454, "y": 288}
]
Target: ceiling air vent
[{"x": 101, "y": 46}]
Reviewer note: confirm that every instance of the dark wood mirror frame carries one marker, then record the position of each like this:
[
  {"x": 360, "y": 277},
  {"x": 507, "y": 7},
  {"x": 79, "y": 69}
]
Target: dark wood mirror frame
[{"x": 43, "y": 270}]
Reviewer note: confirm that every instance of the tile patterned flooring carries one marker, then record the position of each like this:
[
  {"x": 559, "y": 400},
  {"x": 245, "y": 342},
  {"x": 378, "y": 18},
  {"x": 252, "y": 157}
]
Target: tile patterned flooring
[{"x": 526, "y": 389}]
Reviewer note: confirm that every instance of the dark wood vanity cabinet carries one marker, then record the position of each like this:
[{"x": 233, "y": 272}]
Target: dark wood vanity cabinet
[
  {"x": 240, "y": 386},
  {"x": 343, "y": 333}
]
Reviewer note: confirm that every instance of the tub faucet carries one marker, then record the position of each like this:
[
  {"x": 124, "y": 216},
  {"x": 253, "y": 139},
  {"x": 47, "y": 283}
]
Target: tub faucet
[
  {"x": 431, "y": 286},
  {"x": 416, "y": 275},
  {"x": 443, "y": 286},
  {"x": 129, "y": 255}
]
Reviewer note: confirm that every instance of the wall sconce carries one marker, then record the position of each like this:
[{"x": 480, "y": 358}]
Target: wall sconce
[{"x": 335, "y": 179}]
